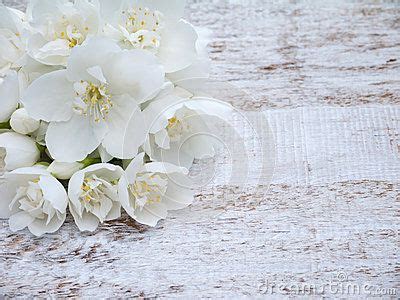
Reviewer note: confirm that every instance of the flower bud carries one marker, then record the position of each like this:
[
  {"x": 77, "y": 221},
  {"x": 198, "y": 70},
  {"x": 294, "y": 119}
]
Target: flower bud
[
  {"x": 22, "y": 123},
  {"x": 17, "y": 151},
  {"x": 64, "y": 171}
]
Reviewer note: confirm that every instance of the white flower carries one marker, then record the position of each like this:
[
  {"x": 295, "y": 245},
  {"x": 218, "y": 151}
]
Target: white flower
[
  {"x": 93, "y": 195},
  {"x": 22, "y": 123},
  {"x": 155, "y": 26},
  {"x": 95, "y": 101},
  {"x": 60, "y": 26},
  {"x": 17, "y": 151},
  {"x": 181, "y": 127},
  {"x": 9, "y": 95},
  {"x": 12, "y": 44},
  {"x": 32, "y": 198},
  {"x": 149, "y": 190},
  {"x": 64, "y": 171}
]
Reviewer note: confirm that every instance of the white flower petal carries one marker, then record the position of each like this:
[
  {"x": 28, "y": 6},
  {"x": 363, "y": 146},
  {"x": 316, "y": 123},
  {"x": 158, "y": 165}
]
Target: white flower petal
[
  {"x": 210, "y": 107},
  {"x": 6, "y": 19},
  {"x": 163, "y": 108},
  {"x": 58, "y": 47},
  {"x": 134, "y": 167},
  {"x": 109, "y": 8},
  {"x": 199, "y": 69},
  {"x": 54, "y": 192},
  {"x": 94, "y": 52},
  {"x": 20, "y": 220},
  {"x": 123, "y": 195},
  {"x": 135, "y": 72},
  {"x": 39, "y": 226},
  {"x": 88, "y": 222},
  {"x": 97, "y": 73},
  {"x": 164, "y": 167},
  {"x": 42, "y": 9},
  {"x": 7, "y": 192},
  {"x": 108, "y": 171},
  {"x": 49, "y": 53},
  {"x": 8, "y": 54},
  {"x": 151, "y": 214},
  {"x": 179, "y": 193},
  {"x": 50, "y": 97},
  {"x": 90, "y": 12},
  {"x": 9, "y": 95},
  {"x": 74, "y": 190},
  {"x": 104, "y": 155},
  {"x": 126, "y": 130},
  {"x": 175, "y": 155},
  {"x": 102, "y": 211},
  {"x": 12, "y": 48},
  {"x": 171, "y": 9},
  {"x": 31, "y": 172},
  {"x": 73, "y": 140},
  {"x": 162, "y": 139},
  {"x": 115, "y": 211},
  {"x": 201, "y": 147},
  {"x": 178, "y": 47}
]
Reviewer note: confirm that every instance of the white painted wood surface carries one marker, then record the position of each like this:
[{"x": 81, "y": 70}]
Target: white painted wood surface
[{"x": 326, "y": 76}]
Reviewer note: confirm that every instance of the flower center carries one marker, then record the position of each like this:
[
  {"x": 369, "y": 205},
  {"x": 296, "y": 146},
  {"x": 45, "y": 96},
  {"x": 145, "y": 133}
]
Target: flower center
[
  {"x": 93, "y": 188},
  {"x": 176, "y": 128},
  {"x": 92, "y": 100},
  {"x": 148, "y": 188},
  {"x": 30, "y": 199},
  {"x": 96, "y": 195},
  {"x": 141, "y": 27},
  {"x": 71, "y": 33}
]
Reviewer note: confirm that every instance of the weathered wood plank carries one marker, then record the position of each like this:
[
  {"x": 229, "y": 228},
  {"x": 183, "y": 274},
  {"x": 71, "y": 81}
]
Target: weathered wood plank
[
  {"x": 320, "y": 145},
  {"x": 296, "y": 53},
  {"x": 291, "y": 234}
]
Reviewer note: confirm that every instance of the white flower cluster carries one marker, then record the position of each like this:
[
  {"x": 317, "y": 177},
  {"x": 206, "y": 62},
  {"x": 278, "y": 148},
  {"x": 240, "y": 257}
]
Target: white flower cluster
[{"x": 91, "y": 100}]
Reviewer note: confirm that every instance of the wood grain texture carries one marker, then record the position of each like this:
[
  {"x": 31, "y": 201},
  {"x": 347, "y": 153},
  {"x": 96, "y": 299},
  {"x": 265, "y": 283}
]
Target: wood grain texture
[
  {"x": 297, "y": 234},
  {"x": 313, "y": 145},
  {"x": 326, "y": 77},
  {"x": 296, "y": 53}
]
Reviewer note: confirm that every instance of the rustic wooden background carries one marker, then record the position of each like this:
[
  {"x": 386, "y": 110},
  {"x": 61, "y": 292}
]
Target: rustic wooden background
[{"x": 326, "y": 76}]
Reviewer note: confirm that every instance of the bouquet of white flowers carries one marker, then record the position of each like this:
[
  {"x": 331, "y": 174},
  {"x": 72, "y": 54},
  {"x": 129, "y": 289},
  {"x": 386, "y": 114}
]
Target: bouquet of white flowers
[{"x": 94, "y": 118}]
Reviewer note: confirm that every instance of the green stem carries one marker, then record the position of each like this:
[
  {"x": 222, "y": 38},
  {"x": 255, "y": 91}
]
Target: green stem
[
  {"x": 5, "y": 125},
  {"x": 43, "y": 163},
  {"x": 41, "y": 148},
  {"x": 90, "y": 161}
]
